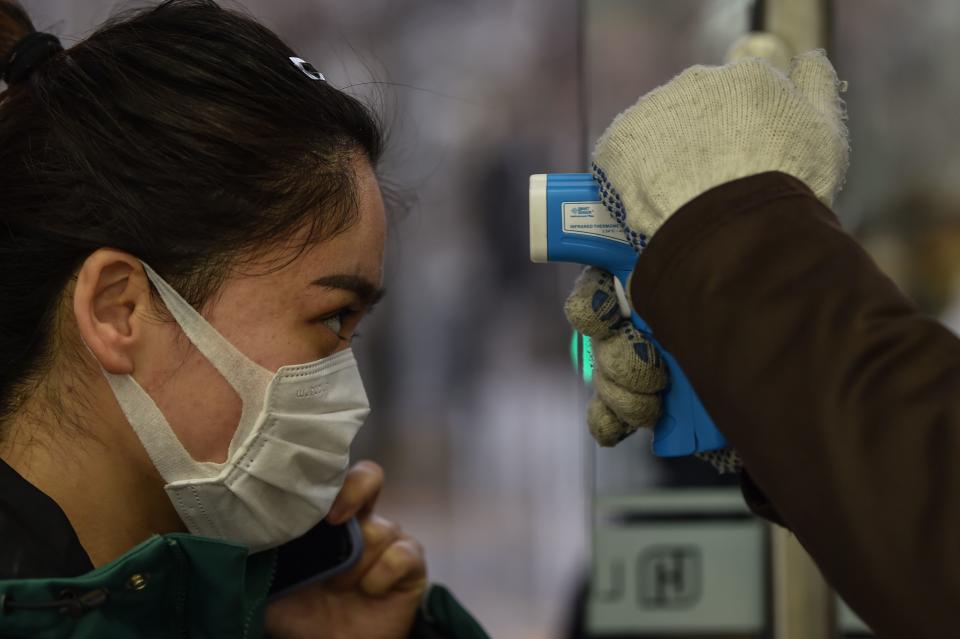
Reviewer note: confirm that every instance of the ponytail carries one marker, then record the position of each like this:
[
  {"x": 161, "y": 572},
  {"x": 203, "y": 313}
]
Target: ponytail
[{"x": 15, "y": 25}]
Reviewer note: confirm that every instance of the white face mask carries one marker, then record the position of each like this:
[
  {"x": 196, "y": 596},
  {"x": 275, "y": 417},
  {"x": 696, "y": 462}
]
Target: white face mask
[{"x": 288, "y": 457}]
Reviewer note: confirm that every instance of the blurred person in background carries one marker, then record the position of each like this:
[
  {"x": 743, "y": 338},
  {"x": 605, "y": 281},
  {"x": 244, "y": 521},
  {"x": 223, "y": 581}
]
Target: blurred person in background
[
  {"x": 191, "y": 229},
  {"x": 839, "y": 396}
]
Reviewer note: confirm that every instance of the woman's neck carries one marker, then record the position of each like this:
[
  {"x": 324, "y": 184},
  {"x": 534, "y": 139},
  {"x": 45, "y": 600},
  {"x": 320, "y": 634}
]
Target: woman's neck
[{"x": 99, "y": 475}]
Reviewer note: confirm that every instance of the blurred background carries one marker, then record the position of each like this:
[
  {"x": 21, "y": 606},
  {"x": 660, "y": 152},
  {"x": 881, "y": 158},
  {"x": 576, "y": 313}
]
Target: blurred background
[{"x": 478, "y": 410}]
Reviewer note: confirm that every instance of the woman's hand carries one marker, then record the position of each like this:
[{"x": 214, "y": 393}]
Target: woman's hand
[{"x": 378, "y": 598}]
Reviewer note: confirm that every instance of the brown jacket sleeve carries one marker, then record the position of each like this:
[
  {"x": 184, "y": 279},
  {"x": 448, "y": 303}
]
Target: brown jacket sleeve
[{"x": 843, "y": 399}]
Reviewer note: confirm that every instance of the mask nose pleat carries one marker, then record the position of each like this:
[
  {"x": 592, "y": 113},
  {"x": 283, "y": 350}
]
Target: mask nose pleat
[
  {"x": 298, "y": 466},
  {"x": 331, "y": 434}
]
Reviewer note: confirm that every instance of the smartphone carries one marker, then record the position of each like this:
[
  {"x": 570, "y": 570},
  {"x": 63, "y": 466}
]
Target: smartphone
[{"x": 323, "y": 552}]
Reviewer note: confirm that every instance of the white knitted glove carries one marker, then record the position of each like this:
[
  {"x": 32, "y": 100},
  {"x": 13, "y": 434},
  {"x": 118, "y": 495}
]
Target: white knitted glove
[
  {"x": 628, "y": 372},
  {"x": 711, "y": 125}
]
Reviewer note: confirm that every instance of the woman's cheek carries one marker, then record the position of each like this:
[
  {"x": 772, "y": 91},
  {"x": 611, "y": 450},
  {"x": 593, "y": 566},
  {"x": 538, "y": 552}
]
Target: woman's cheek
[{"x": 203, "y": 410}]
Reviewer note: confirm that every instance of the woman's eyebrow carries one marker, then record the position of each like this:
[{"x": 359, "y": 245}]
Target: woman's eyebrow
[{"x": 368, "y": 292}]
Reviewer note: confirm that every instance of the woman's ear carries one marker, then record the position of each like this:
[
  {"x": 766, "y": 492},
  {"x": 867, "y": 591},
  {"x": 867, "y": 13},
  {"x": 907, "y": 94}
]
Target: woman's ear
[{"x": 111, "y": 294}]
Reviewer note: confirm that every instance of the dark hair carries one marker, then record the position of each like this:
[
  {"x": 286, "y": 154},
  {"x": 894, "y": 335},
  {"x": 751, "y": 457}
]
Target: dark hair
[{"x": 182, "y": 134}]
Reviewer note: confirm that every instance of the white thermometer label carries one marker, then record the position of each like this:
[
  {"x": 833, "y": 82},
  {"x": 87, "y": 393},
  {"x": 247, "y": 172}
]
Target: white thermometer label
[{"x": 591, "y": 218}]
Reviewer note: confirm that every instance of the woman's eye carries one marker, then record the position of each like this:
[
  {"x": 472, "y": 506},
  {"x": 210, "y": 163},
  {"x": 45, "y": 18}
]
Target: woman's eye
[
  {"x": 343, "y": 324},
  {"x": 334, "y": 323},
  {"x": 340, "y": 322}
]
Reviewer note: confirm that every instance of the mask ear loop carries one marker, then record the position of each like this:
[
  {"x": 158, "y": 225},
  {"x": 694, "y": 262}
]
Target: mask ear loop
[
  {"x": 166, "y": 451},
  {"x": 248, "y": 379},
  {"x": 243, "y": 374}
]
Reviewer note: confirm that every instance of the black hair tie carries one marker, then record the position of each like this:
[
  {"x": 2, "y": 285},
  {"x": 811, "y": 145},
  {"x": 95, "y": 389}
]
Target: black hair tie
[{"x": 28, "y": 54}]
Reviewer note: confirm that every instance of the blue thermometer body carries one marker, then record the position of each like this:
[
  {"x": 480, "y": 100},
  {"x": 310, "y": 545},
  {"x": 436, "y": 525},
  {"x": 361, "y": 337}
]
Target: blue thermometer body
[{"x": 569, "y": 223}]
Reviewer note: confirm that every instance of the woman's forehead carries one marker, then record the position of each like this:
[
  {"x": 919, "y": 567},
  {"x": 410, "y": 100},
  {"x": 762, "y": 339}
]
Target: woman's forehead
[{"x": 356, "y": 251}]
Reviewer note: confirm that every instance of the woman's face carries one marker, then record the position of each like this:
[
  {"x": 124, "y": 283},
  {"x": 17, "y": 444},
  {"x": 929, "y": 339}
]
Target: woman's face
[{"x": 275, "y": 317}]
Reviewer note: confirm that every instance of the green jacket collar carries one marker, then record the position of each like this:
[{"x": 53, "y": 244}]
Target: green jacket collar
[{"x": 175, "y": 585}]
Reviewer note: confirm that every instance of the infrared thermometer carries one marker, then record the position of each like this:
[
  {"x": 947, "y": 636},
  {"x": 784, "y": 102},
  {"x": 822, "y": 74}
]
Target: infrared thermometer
[{"x": 569, "y": 223}]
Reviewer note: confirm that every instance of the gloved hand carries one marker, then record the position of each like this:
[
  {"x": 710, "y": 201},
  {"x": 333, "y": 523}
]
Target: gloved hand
[
  {"x": 711, "y": 125},
  {"x": 628, "y": 372}
]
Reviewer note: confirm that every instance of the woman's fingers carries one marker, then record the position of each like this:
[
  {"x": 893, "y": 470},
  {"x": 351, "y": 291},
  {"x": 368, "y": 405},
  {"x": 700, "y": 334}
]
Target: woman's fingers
[
  {"x": 401, "y": 567},
  {"x": 359, "y": 493},
  {"x": 378, "y": 535},
  {"x": 391, "y": 560}
]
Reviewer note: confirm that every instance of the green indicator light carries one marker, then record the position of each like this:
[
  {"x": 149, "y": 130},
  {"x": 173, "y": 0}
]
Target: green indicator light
[
  {"x": 581, "y": 344},
  {"x": 587, "y": 360}
]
